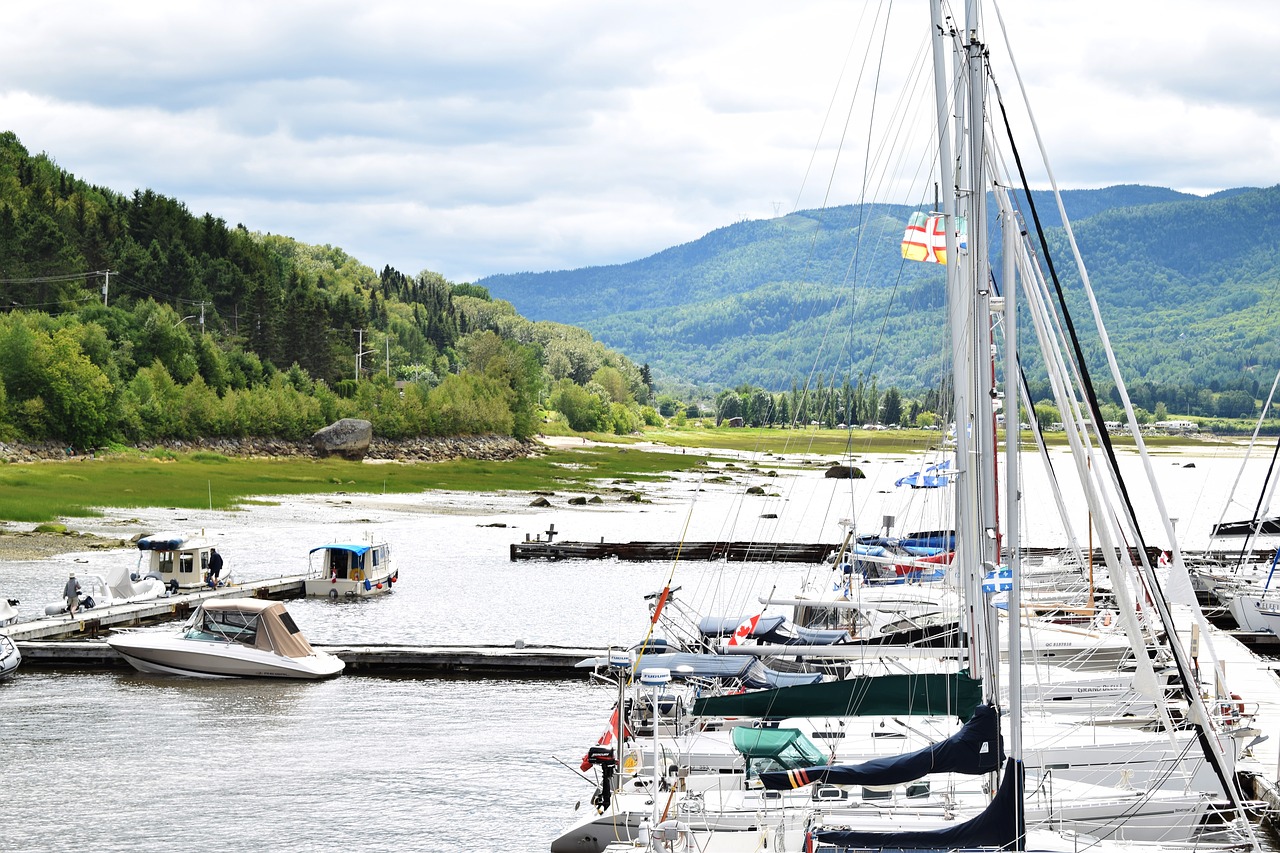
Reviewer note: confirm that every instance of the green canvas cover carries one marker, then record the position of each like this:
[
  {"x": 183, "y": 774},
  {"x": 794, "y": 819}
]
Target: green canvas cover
[
  {"x": 776, "y": 749},
  {"x": 924, "y": 695}
]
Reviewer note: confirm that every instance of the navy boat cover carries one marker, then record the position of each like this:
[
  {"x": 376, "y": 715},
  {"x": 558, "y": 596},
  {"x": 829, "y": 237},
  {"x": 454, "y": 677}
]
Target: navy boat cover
[
  {"x": 977, "y": 748},
  {"x": 1001, "y": 825}
]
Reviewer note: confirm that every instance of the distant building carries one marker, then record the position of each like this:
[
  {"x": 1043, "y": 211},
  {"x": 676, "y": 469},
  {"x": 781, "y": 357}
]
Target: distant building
[
  {"x": 1178, "y": 426},
  {"x": 733, "y": 422}
]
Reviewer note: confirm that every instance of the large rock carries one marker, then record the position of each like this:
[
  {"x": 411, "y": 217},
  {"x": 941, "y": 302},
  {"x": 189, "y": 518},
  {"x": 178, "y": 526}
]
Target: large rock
[{"x": 348, "y": 438}]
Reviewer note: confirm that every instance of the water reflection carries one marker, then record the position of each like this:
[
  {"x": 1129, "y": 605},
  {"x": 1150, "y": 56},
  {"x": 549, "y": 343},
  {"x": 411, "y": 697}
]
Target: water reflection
[{"x": 110, "y": 762}]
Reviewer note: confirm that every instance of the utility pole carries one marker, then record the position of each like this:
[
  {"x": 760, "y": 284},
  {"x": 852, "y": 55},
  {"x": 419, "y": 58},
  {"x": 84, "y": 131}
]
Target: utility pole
[
  {"x": 359, "y": 350},
  {"x": 106, "y": 284}
]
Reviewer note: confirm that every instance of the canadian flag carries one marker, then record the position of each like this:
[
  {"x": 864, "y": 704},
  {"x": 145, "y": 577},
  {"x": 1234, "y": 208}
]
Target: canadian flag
[
  {"x": 744, "y": 630},
  {"x": 607, "y": 738},
  {"x": 1163, "y": 559}
]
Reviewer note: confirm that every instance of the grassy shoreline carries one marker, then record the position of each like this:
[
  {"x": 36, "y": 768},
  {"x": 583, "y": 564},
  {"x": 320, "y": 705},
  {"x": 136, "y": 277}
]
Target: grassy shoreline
[{"x": 81, "y": 487}]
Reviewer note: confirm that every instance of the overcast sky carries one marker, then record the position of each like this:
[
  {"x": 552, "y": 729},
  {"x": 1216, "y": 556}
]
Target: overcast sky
[{"x": 483, "y": 136}]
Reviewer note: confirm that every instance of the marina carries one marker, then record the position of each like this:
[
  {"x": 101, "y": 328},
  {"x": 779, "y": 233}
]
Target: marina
[{"x": 420, "y": 725}]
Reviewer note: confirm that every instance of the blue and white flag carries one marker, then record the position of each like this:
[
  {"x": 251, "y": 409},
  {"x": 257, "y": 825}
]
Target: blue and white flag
[
  {"x": 998, "y": 580},
  {"x": 932, "y": 477}
]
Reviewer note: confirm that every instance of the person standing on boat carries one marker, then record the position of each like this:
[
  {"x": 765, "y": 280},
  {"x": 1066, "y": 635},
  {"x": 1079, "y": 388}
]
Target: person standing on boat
[
  {"x": 72, "y": 593},
  {"x": 215, "y": 567}
]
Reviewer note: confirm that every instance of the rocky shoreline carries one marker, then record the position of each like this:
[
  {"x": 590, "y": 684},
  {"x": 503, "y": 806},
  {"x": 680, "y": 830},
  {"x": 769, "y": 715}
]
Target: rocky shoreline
[{"x": 486, "y": 447}]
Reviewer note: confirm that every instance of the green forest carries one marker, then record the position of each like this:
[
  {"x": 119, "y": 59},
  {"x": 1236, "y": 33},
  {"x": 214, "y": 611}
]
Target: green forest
[
  {"x": 127, "y": 318},
  {"x": 1187, "y": 287}
]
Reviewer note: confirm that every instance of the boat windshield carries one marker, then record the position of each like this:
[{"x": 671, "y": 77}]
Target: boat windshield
[
  {"x": 234, "y": 625},
  {"x": 775, "y": 749}
]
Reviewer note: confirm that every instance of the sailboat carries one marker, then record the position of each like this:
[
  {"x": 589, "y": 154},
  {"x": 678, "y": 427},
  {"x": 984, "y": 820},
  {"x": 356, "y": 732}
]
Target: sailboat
[{"x": 673, "y": 800}]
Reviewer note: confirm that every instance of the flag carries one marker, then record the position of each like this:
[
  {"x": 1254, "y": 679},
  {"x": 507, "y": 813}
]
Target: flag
[
  {"x": 744, "y": 630},
  {"x": 926, "y": 238},
  {"x": 1000, "y": 580},
  {"x": 607, "y": 738}
]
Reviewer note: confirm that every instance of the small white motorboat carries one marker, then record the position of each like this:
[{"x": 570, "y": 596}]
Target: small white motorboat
[
  {"x": 178, "y": 560},
  {"x": 350, "y": 570},
  {"x": 229, "y": 638},
  {"x": 10, "y": 657}
]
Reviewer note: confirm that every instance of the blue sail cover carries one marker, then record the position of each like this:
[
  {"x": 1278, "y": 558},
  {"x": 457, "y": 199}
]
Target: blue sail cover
[
  {"x": 724, "y": 626},
  {"x": 977, "y": 748},
  {"x": 773, "y": 629},
  {"x": 1001, "y": 825}
]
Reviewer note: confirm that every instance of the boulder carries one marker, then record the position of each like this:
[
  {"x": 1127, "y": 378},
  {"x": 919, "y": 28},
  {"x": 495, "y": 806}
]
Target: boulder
[
  {"x": 844, "y": 472},
  {"x": 348, "y": 438}
]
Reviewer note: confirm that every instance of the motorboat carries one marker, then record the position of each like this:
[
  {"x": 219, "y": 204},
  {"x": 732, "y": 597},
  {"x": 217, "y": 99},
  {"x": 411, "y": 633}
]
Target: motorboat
[
  {"x": 350, "y": 570},
  {"x": 120, "y": 586},
  {"x": 229, "y": 638},
  {"x": 178, "y": 560},
  {"x": 10, "y": 657},
  {"x": 8, "y": 611}
]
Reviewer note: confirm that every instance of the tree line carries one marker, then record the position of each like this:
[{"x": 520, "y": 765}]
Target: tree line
[{"x": 127, "y": 318}]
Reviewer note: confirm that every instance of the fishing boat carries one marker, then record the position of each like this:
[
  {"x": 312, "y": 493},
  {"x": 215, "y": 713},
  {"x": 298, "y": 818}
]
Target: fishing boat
[
  {"x": 229, "y": 638},
  {"x": 178, "y": 560},
  {"x": 342, "y": 570}
]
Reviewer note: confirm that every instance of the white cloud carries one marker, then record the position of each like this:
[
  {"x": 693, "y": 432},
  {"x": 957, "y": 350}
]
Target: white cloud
[{"x": 491, "y": 136}]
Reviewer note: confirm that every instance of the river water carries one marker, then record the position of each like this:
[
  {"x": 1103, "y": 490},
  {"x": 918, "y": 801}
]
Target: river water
[{"x": 122, "y": 761}]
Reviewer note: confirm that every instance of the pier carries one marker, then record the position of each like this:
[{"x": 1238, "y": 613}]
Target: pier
[
  {"x": 376, "y": 660},
  {"x": 734, "y": 552},
  {"x": 89, "y": 623}
]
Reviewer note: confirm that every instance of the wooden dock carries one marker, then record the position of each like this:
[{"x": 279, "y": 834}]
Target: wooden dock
[
  {"x": 733, "y": 552},
  {"x": 377, "y": 660},
  {"x": 90, "y": 623}
]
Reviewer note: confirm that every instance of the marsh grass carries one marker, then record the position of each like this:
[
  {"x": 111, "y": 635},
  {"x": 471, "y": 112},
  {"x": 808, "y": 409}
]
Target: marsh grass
[{"x": 44, "y": 491}]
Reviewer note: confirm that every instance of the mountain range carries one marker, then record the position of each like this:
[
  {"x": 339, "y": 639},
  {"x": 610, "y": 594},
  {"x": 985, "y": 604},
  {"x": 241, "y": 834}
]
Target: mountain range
[{"x": 1186, "y": 286}]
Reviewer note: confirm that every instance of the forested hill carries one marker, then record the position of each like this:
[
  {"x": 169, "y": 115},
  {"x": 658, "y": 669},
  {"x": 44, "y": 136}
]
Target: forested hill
[
  {"x": 127, "y": 318},
  {"x": 1187, "y": 286}
]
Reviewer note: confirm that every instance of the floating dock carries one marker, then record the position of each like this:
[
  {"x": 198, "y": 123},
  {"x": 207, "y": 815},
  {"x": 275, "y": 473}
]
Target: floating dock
[
  {"x": 733, "y": 552},
  {"x": 377, "y": 660},
  {"x": 90, "y": 623}
]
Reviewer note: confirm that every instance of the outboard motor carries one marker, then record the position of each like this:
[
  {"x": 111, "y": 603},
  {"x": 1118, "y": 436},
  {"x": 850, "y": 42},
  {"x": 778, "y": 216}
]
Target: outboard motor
[{"x": 603, "y": 757}]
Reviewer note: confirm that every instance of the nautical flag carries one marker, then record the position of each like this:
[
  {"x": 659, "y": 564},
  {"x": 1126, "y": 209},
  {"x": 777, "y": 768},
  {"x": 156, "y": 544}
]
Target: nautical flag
[
  {"x": 607, "y": 737},
  {"x": 744, "y": 630},
  {"x": 926, "y": 238},
  {"x": 998, "y": 580},
  {"x": 931, "y": 478}
]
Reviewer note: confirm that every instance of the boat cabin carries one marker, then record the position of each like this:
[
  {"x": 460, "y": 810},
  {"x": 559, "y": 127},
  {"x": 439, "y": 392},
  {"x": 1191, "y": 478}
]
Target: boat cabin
[
  {"x": 350, "y": 569},
  {"x": 180, "y": 561}
]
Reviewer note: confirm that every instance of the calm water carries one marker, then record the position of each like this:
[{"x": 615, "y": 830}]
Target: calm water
[{"x": 121, "y": 761}]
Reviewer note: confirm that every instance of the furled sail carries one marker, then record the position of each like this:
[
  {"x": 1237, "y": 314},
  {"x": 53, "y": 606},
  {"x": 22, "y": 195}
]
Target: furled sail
[
  {"x": 977, "y": 748},
  {"x": 924, "y": 694}
]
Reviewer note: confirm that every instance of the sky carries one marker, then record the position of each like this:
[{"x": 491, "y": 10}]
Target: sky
[{"x": 490, "y": 136}]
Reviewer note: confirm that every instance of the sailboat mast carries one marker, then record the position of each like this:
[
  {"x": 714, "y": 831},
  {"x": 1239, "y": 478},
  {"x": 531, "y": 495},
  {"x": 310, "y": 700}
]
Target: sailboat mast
[{"x": 966, "y": 529}]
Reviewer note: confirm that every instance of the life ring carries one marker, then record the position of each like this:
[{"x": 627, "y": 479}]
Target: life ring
[
  {"x": 357, "y": 575},
  {"x": 333, "y": 595}
]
